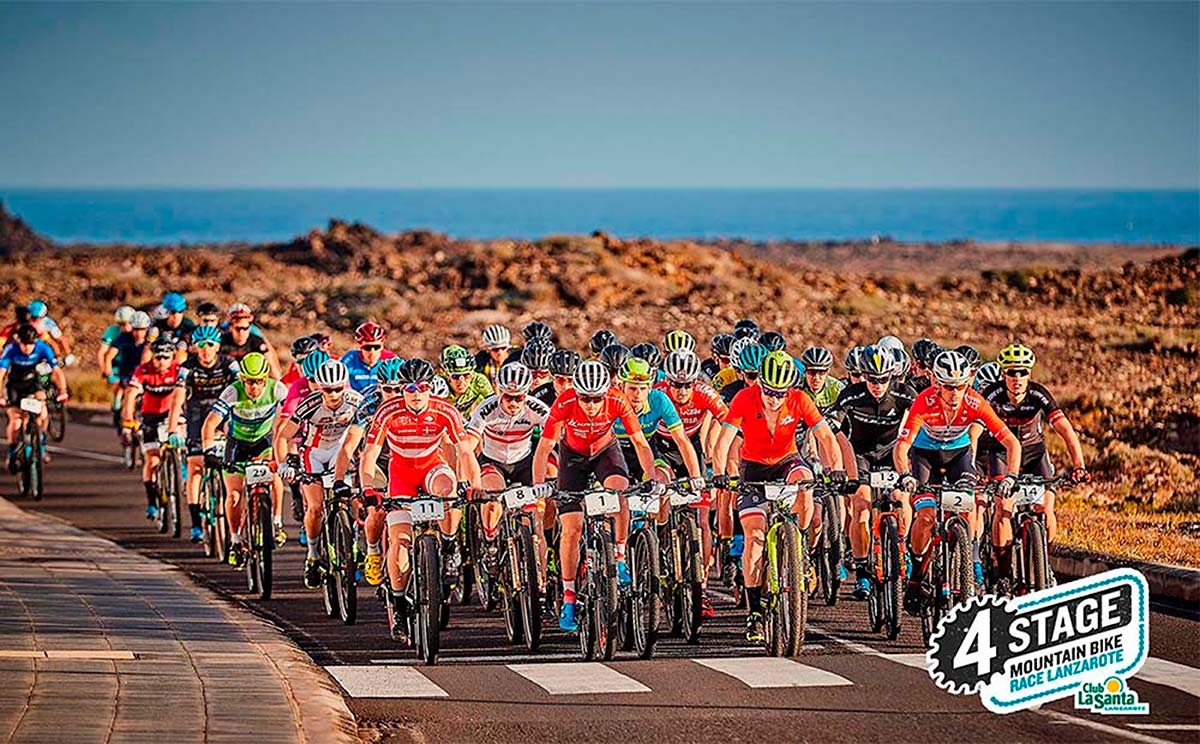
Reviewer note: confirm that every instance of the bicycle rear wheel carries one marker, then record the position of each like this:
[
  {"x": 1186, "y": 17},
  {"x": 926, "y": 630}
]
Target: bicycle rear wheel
[
  {"x": 162, "y": 480},
  {"x": 831, "y": 550},
  {"x": 644, "y": 603},
  {"x": 57, "y": 424},
  {"x": 347, "y": 573},
  {"x": 178, "y": 491}
]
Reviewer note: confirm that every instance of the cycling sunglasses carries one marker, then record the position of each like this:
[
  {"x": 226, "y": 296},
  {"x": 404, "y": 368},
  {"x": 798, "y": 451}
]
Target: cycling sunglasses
[
  {"x": 165, "y": 356},
  {"x": 637, "y": 379},
  {"x": 241, "y": 328},
  {"x": 956, "y": 388},
  {"x": 372, "y": 347},
  {"x": 678, "y": 385},
  {"x": 392, "y": 389},
  {"x": 1016, "y": 372},
  {"x": 872, "y": 379},
  {"x": 332, "y": 390},
  {"x": 513, "y": 398},
  {"x": 461, "y": 375},
  {"x": 417, "y": 387},
  {"x": 771, "y": 392},
  {"x": 591, "y": 398},
  {"x": 206, "y": 344}
]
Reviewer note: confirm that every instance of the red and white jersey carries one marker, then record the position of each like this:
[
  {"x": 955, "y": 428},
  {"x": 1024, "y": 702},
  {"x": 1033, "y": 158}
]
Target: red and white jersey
[
  {"x": 415, "y": 436},
  {"x": 507, "y": 439},
  {"x": 927, "y": 417},
  {"x": 704, "y": 400},
  {"x": 325, "y": 428}
]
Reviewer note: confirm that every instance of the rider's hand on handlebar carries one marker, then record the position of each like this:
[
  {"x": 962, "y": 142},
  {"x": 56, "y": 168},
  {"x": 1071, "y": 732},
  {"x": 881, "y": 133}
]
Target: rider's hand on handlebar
[
  {"x": 1005, "y": 486},
  {"x": 696, "y": 485},
  {"x": 1080, "y": 475},
  {"x": 213, "y": 459},
  {"x": 907, "y": 483},
  {"x": 63, "y": 396},
  {"x": 543, "y": 490},
  {"x": 341, "y": 489}
]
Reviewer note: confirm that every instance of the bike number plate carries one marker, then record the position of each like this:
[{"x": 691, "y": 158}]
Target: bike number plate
[
  {"x": 683, "y": 498},
  {"x": 32, "y": 405},
  {"x": 520, "y": 497},
  {"x": 783, "y": 494},
  {"x": 601, "y": 502},
  {"x": 643, "y": 504},
  {"x": 163, "y": 430},
  {"x": 257, "y": 473},
  {"x": 327, "y": 481},
  {"x": 1029, "y": 494},
  {"x": 957, "y": 501},
  {"x": 884, "y": 479},
  {"x": 427, "y": 510}
]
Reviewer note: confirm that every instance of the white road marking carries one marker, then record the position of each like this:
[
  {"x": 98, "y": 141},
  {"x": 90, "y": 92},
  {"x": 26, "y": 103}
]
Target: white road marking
[
  {"x": 498, "y": 658},
  {"x": 579, "y": 678},
  {"x": 916, "y": 661},
  {"x": 78, "y": 655},
  {"x": 71, "y": 452},
  {"x": 384, "y": 682},
  {"x": 767, "y": 671},
  {"x": 1166, "y": 726},
  {"x": 1162, "y": 672},
  {"x": 1101, "y": 727}
]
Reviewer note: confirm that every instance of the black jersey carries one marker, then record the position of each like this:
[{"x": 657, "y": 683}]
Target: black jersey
[
  {"x": 1027, "y": 419},
  {"x": 234, "y": 351},
  {"x": 872, "y": 424},
  {"x": 180, "y": 335},
  {"x": 545, "y": 393},
  {"x": 204, "y": 384}
]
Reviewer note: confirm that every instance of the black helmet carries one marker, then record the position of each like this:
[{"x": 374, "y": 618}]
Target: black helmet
[
  {"x": 564, "y": 362},
  {"x": 162, "y": 346},
  {"x": 773, "y": 340},
  {"x": 415, "y": 370},
  {"x": 537, "y": 331},
  {"x": 536, "y": 355},
  {"x": 602, "y": 339},
  {"x": 304, "y": 346},
  {"x": 971, "y": 354},
  {"x": 649, "y": 352},
  {"x": 720, "y": 344},
  {"x": 26, "y": 334},
  {"x": 921, "y": 349},
  {"x": 23, "y": 314},
  {"x": 745, "y": 328},
  {"x": 613, "y": 356}
]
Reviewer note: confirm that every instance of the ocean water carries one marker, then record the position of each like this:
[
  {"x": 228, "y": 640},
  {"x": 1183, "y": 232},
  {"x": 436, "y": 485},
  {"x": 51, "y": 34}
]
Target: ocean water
[{"x": 191, "y": 216}]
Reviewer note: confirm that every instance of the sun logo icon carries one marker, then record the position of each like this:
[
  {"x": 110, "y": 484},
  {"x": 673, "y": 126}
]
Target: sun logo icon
[{"x": 1112, "y": 685}]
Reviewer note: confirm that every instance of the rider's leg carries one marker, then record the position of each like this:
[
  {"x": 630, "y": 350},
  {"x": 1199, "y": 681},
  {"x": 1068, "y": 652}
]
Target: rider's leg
[
  {"x": 149, "y": 468},
  {"x": 399, "y": 527},
  {"x": 860, "y": 523},
  {"x": 314, "y": 502},
  {"x": 234, "y": 484},
  {"x": 195, "y": 465},
  {"x": 803, "y": 506},
  {"x": 568, "y": 550},
  {"x": 754, "y": 522}
]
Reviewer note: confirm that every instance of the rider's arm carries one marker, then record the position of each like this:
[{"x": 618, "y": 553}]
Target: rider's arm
[
  {"x": 367, "y": 466},
  {"x": 60, "y": 378},
  {"x": 541, "y": 456},
  {"x": 466, "y": 465},
  {"x": 106, "y": 355},
  {"x": 848, "y": 458},
  {"x": 1012, "y": 448},
  {"x": 645, "y": 455},
  {"x": 827, "y": 446},
  {"x": 690, "y": 461},
  {"x": 1069, "y": 435},
  {"x": 341, "y": 466},
  {"x": 178, "y": 396},
  {"x": 273, "y": 360},
  {"x": 130, "y": 399},
  {"x": 974, "y": 431},
  {"x": 284, "y": 431}
]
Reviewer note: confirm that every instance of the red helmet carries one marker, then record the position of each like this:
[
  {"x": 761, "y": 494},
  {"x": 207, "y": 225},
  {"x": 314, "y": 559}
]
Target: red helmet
[{"x": 369, "y": 333}]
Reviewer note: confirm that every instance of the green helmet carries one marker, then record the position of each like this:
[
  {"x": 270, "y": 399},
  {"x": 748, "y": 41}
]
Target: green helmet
[
  {"x": 636, "y": 370},
  {"x": 778, "y": 370},
  {"x": 456, "y": 360},
  {"x": 254, "y": 367}
]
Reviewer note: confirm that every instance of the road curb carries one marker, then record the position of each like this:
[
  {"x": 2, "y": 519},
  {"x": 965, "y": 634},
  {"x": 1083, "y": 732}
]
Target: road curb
[{"x": 1176, "y": 583}]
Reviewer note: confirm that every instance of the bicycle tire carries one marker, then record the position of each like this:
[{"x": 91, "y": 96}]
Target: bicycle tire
[
  {"x": 605, "y": 610},
  {"x": 485, "y": 584},
  {"x": 692, "y": 591},
  {"x": 892, "y": 587},
  {"x": 645, "y": 609},
  {"x": 221, "y": 522},
  {"x": 1034, "y": 545},
  {"x": 530, "y": 592},
  {"x": 962, "y": 570},
  {"x": 266, "y": 545},
  {"x": 585, "y": 600},
  {"x": 162, "y": 517},
  {"x": 347, "y": 573},
  {"x": 57, "y": 422},
  {"x": 832, "y": 545},
  {"x": 791, "y": 603},
  {"x": 179, "y": 492},
  {"x": 37, "y": 472},
  {"x": 429, "y": 589}
]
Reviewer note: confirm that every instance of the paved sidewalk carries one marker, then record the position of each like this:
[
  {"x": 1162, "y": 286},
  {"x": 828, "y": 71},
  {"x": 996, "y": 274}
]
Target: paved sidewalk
[{"x": 98, "y": 644}]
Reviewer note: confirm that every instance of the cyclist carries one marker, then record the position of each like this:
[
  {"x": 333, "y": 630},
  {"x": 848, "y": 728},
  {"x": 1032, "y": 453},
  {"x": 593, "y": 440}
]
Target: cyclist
[
  {"x": 50, "y": 332},
  {"x": 583, "y": 419},
  {"x": 934, "y": 446},
  {"x": 719, "y": 348},
  {"x": 250, "y": 406},
  {"x": 173, "y": 326},
  {"x": 679, "y": 340},
  {"x": 923, "y": 352},
  {"x": 109, "y": 369},
  {"x": 767, "y": 414},
  {"x": 468, "y": 387},
  {"x": 496, "y": 352},
  {"x": 20, "y": 378},
  {"x": 22, "y": 317},
  {"x": 202, "y": 377},
  {"x": 125, "y": 354},
  {"x": 387, "y": 387},
  {"x": 239, "y": 339},
  {"x": 413, "y": 428},
  {"x": 301, "y": 347},
  {"x": 323, "y": 418},
  {"x": 563, "y": 364},
  {"x": 747, "y": 360},
  {"x": 822, "y": 387},
  {"x": 536, "y": 356},
  {"x": 699, "y": 408},
  {"x": 155, "y": 380},
  {"x": 209, "y": 314},
  {"x": 361, "y": 362},
  {"x": 868, "y": 415},
  {"x": 613, "y": 358},
  {"x": 852, "y": 363},
  {"x": 1025, "y": 406},
  {"x": 601, "y": 340}
]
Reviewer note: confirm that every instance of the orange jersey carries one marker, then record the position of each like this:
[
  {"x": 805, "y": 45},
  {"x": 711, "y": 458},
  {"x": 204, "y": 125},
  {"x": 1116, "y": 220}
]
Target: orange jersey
[
  {"x": 760, "y": 444},
  {"x": 704, "y": 400},
  {"x": 585, "y": 434}
]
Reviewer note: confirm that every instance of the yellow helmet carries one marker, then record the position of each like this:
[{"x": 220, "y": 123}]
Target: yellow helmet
[{"x": 1016, "y": 355}]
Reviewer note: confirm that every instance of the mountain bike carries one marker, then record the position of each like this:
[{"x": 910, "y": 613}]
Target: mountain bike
[
  {"x": 1030, "y": 570},
  {"x": 171, "y": 478},
  {"x": 258, "y": 534},
  {"x": 337, "y": 551},
  {"x": 56, "y": 410},
  {"x": 829, "y": 547},
  {"x": 596, "y": 577},
  {"x": 31, "y": 449},
  {"x": 949, "y": 569},
  {"x": 131, "y": 441},
  {"x": 517, "y": 582},
  {"x": 683, "y": 563},
  {"x": 212, "y": 511},
  {"x": 886, "y": 558},
  {"x": 640, "y": 612}
]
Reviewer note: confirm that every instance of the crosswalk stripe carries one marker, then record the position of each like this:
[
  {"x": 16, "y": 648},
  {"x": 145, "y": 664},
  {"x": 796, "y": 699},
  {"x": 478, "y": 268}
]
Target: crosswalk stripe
[
  {"x": 1162, "y": 672},
  {"x": 384, "y": 682},
  {"x": 769, "y": 671},
  {"x": 579, "y": 678},
  {"x": 916, "y": 661}
]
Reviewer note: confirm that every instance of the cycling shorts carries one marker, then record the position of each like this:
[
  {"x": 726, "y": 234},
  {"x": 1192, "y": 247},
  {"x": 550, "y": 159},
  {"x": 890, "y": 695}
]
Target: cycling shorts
[
  {"x": 406, "y": 476},
  {"x": 1033, "y": 462},
  {"x": 633, "y": 465},
  {"x": 317, "y": 461},
  {"x": 868, "y": 464},
  {"x": 150, "y": 433},
  {"x": 576, "y": 469},
  {"x": 753, "y": 500},
  {"x": 238, "y": 452},
  {"x": 513, "y": 473},
  {"x": 670, "y": 455},
  {"x": 14, "y": 393},
  {"x": 940, "y": 466}
]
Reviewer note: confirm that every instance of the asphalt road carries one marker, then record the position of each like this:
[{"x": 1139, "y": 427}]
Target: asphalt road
[{"x": 848, "y": 685}]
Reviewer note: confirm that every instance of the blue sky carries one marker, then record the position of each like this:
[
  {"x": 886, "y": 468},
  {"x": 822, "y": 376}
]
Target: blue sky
[{"x": 600, "y": 95}]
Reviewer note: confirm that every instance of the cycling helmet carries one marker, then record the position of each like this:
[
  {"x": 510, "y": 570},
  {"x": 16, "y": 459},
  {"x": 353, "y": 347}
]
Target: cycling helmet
[
  {"x": 456, "y": 360},
  {"x": 324, "y": 342},
  {"x": 778, "y": 370},
  {"x": 649, "y": 352},
  {"x": 591, "y": 378},
  {"x": 988, "y": 374},
  {"x": 1016, "y": 355},
  {"x": 208, "y": 308},
  {"x": 921, "y": 348},
  {"x": 332, "y": 374},
  {"x": 26, "y": 334},
  {"x": 537, "y": 331},
  {"x": 636, "y": 370},
  {"x": 773, "y": 340},
  {"x": 564, "y": 362},
  {"x": 890, "y": 342},
  {"x": 124, "y": 314},
  {"x": 601, "y": 340},
  {"x": 903, "y": 362},
  {"x": 876, "y": 362},
  {"x": 682, "y": 366},
  {"x": 254, "y": 367},
  {"x": 970, "y": 354},
  {"x": 303, "y": 346},
  {"x": 369, "y": 333},
  {"x": 210, "y": 334},
  {"x": 514, "y": 377},
  {"x": 388, "y": 370},
  {"x": 676, "y": 340},
  {"x": 613, "y": 356},
  {"x": 745, "y": 328},
  {"x": 313, "y": 362},
  {"x": 720, "y": 344},
  {"x": 817, "y": 359},
  {"x": 951, "y": 368},
  {"x": 536, "y": 356},
  {"x": 23, "y": 314},
  {"x": 38, "y": 309},
  {"x": 140, "y": 320},
  {"x": 416, "y": 370},
  {"x": 240, "y": 310},
  {"x": 735, "y": 350},
  {"x": 496, "y": 337},
  {"x": 173, "y": 302},
  {"x": 852, "y": 361},
  {"x": 751, "y": 357},
  {"x": 439, "y": 388}
]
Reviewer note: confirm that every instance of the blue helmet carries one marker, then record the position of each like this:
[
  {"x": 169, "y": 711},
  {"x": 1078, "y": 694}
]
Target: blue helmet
[
  {"x": 37, "y": 309},
  {"x": 206, "y": 333},
  {"x": 313, "y": 362},
  {"x": 752, "y": 357},
  {"x": 388, "y": 370},
  {"x": 173, "y": 302}
]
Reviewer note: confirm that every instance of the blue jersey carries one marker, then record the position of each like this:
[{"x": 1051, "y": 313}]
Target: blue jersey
[
  {"x": 362, "y": 377},
  {"x": 22, "y": 367},
  {"x": 659, "y": 408},
  {"x": 129, "y": 354}
]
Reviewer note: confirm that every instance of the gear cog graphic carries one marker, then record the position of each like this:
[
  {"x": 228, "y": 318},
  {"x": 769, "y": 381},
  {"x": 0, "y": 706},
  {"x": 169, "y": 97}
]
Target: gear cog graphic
[{"x": 947, "y": 640}]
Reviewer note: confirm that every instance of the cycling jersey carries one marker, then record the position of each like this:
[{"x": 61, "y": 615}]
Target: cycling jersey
[
  {"x": 709, "y": 369},
  {"x": 825, "y": 397},
  {"x": 545, "y": 393},
  {"x": 658, "y": 411},
  {"x": 180, "y": 335},
  {"x": 250, "y": 419},
  {"x": 485, "y": 366},
  {"x": 156, "y": 386},
  {"x": 478, "y": 389},
  {"x": 723, "y": 377},
  {"x": 325, "y": 427},
  {"x": 296, "y": 392},
  {"x": 585, "y": 434},
  {"x": 236, "y": 351},
  {"x": 871, "y": 423},
  {"x": 204, "y": 384},
  {"x": 1024, "y": 419},
  {"x": 704, "y": 400},
  {"x": 415, "y": 435},
  {"x": 293, "y": 373},
  {"x": 732, "y": 389},
  {"x": 927, "y": 427},
  {"x": 362, "y": 376},
  {"x": 760, "y": 444},
  {"x": 129, "y": 354},
  {"x": 48, "y": 328},
  {"x": 23, "y": 375},
  {"x": 507, "y": 439}
]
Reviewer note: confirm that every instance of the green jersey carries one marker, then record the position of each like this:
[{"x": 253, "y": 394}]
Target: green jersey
[
  {"x": 479, "y": 388},
  {"x": 250, "y": 419},
  {"x": 825, "y": 397}
]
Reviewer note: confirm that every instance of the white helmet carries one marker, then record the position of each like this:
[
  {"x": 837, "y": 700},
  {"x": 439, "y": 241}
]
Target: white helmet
[
  {"x": 988, "y": 374},
  {"x": 332, "y": 374},
  {"x": 514, "y": 378},
  {"x": 889, "y": 343},
  {"x": 124, "y": 314},
  {"x": 140, "y": 320},
  {"x": 496, "y": 336},
  {"x": 438, "y": 387},
  {"x": 951, "y": 368},
  {"x": 735, "y": 349},
  {"x": 681, "y": 365},
  {"x": 591, "y": 378}
]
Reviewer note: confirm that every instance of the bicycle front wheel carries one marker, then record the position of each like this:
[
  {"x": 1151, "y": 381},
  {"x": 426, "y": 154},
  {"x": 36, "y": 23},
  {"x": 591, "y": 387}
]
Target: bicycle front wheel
[
  {"x": 265, "y": 544},
  {"x": 429, "y": 597},
  {"x": 789, "y": 612},
  {"x": 1036, "y": 558},
  {"x": 644, "y": 601},
  {"x": 347, "y": 569}
]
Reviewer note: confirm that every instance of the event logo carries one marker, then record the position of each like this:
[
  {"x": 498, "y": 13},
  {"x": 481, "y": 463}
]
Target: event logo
[{"x": 1080, "y": 639}]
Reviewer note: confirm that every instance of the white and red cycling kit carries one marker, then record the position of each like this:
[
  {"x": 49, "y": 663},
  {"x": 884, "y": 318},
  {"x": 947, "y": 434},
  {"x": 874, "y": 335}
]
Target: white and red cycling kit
[{"x": 323, "y": 429}]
